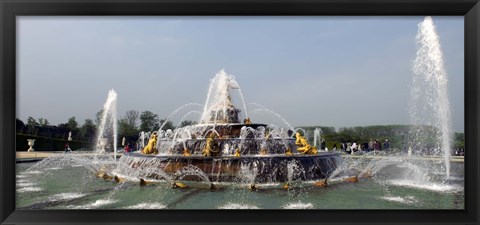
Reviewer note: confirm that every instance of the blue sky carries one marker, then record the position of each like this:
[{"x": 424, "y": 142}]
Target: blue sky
[{"x": 326, "y": 71}]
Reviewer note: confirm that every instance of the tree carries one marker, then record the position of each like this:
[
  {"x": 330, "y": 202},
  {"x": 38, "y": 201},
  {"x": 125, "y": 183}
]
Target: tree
[
  {"x": 127, "y": 126},
  {"x": 88, "y": 131},
  {"x": 149, "y": 121},
  {"x": 72, "y": 124},
  {"x": 125, "y": 129},
  {"x": 131, "y": 118},
  {"x": 32, "y": 126},
  {"x": 459, "y": 140},
  {"x": 43, "y": 122},
  {"x": 168, "y": 124},
  {"x": 20, "y": 126},
  {"x": 187, "y": 123},
  {"x": 98, "y": 117}
]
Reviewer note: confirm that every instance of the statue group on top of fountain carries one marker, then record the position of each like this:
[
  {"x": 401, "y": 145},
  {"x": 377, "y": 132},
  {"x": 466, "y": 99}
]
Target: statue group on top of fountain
[{"x": 221, "y": 132}]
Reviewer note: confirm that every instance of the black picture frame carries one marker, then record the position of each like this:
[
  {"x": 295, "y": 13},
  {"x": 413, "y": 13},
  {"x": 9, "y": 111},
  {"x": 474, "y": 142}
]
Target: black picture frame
[{"x": 9, "y": 9}]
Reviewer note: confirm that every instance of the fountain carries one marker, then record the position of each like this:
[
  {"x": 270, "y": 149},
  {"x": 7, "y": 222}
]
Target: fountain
[
  {"x": 227, "y": 150},
  {"x": 108, "y": 121},
  {"x": 222, "y": 145},
  {"x": 430, "y": 106}
]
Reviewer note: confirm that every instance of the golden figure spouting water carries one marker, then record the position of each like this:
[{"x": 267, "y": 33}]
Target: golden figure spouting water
[
  {"x": 186, "y": 152},
  {"x": 151, "y": 146},
  {"x": 303, "y": 146},
  {"x": 210, "y": 148}
]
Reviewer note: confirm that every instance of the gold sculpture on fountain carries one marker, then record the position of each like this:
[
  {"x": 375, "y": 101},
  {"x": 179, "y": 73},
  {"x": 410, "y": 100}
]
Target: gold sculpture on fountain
[
  {"x": 210, "y": 148},
  {"x": 151, "y": 146},
  {"x": 303, "y": 146}
]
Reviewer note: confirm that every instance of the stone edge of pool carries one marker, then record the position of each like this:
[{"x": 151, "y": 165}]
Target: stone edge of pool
[{"x": 22, "y": 156}]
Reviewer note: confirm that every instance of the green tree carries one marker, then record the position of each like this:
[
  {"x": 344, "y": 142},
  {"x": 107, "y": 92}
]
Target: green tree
[
  {"x": 20, "y": 126},
  {"x": 187, "y": 123},
  {"x": 131, "y": 118},
  {"x": 168, "y": 124},
  {"x": 88, "y": 131},
  {"x": 98, "y": 117},
  {"x": 125, "y": 129},
  {"x": 72, "y": 124},
  {"x": 149, "y": 121},
  {"x": 43, "y": 122},
  {"x": 32, "y": 126},
  {"x": 127, "y": 126},
  {"x": 459, "y": 141}
]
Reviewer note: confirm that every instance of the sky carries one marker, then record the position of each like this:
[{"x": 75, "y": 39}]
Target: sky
[{"x": 319, "y": 71}]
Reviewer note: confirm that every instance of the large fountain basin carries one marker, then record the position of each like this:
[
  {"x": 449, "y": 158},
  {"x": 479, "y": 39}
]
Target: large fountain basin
[{"x": 248, "y": 168}]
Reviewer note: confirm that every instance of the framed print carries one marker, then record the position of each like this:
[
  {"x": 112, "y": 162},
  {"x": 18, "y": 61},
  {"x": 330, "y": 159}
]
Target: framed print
[{"x": 262, "y": 112}]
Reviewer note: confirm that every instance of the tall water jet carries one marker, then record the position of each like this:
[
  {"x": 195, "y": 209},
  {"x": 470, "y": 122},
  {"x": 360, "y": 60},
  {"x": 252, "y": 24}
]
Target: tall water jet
[
  {"x": 218, "y": 106},
  {"x": 108, "y": 120},
  {"x": 317, "y": 137},
  {"x": 430, "y": 108}
]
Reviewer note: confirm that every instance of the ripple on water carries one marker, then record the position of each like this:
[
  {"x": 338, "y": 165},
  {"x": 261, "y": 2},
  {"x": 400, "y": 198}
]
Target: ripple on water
[
  {"x": 437, "y": 187},
  {"x": 231, "y": 205},
  {"x": 29, "y": 189},
  {"x": 25, "y": 184},
  {"x": 147, "y": 205},
  {"x": 405, "y": 200},
  {"x": 53, "y": 168},
  {"x": 32, "y": 172},
  {"x": 66, "y": 196},
  {"x": 298, "y": 205},
  {"x": 96, "y": 204}
]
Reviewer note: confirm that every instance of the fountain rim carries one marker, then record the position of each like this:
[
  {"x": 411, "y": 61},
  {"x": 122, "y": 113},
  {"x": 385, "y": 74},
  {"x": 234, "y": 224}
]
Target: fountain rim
[{"x": 228, "y": 157}]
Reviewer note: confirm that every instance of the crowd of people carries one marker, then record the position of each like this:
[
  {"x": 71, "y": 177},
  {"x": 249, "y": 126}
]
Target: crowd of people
[{"x": 351, "y": 147}]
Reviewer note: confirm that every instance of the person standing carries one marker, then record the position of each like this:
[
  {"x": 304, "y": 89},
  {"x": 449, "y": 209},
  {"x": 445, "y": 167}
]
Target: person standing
[
  {"x": 354, "y": 147},
  {"x": 127, "y": 147},
  {"x": 67, "y": 148},
  {"x": 371, "y": 145},
  {"x": 386, "y": 144},
  {"x": 365, "y": 146},
  {"x": 377, "y": 146},
  {"x": 322, "y": 144}
]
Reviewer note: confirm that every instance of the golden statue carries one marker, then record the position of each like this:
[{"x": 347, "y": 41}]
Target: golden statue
[
  {"x": 288, "y": 152},
  {"x": 210, "y": 148},
  {"x": 237, "y": 152},
  {"x": 303, "y": 145},
  {"x": 263, "y": 151},
  {"x": 179, "y": 185},
  {"x": 186, "y": 152},
  {"x": 247, "y": 121},
  {"x": 151, "y": 146}
]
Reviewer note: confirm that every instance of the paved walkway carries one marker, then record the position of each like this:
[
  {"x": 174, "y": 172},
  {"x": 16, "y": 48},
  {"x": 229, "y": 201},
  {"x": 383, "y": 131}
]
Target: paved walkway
[
  {"x": 452, "y": 159},
  {"x": 37, "y": 155}
]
